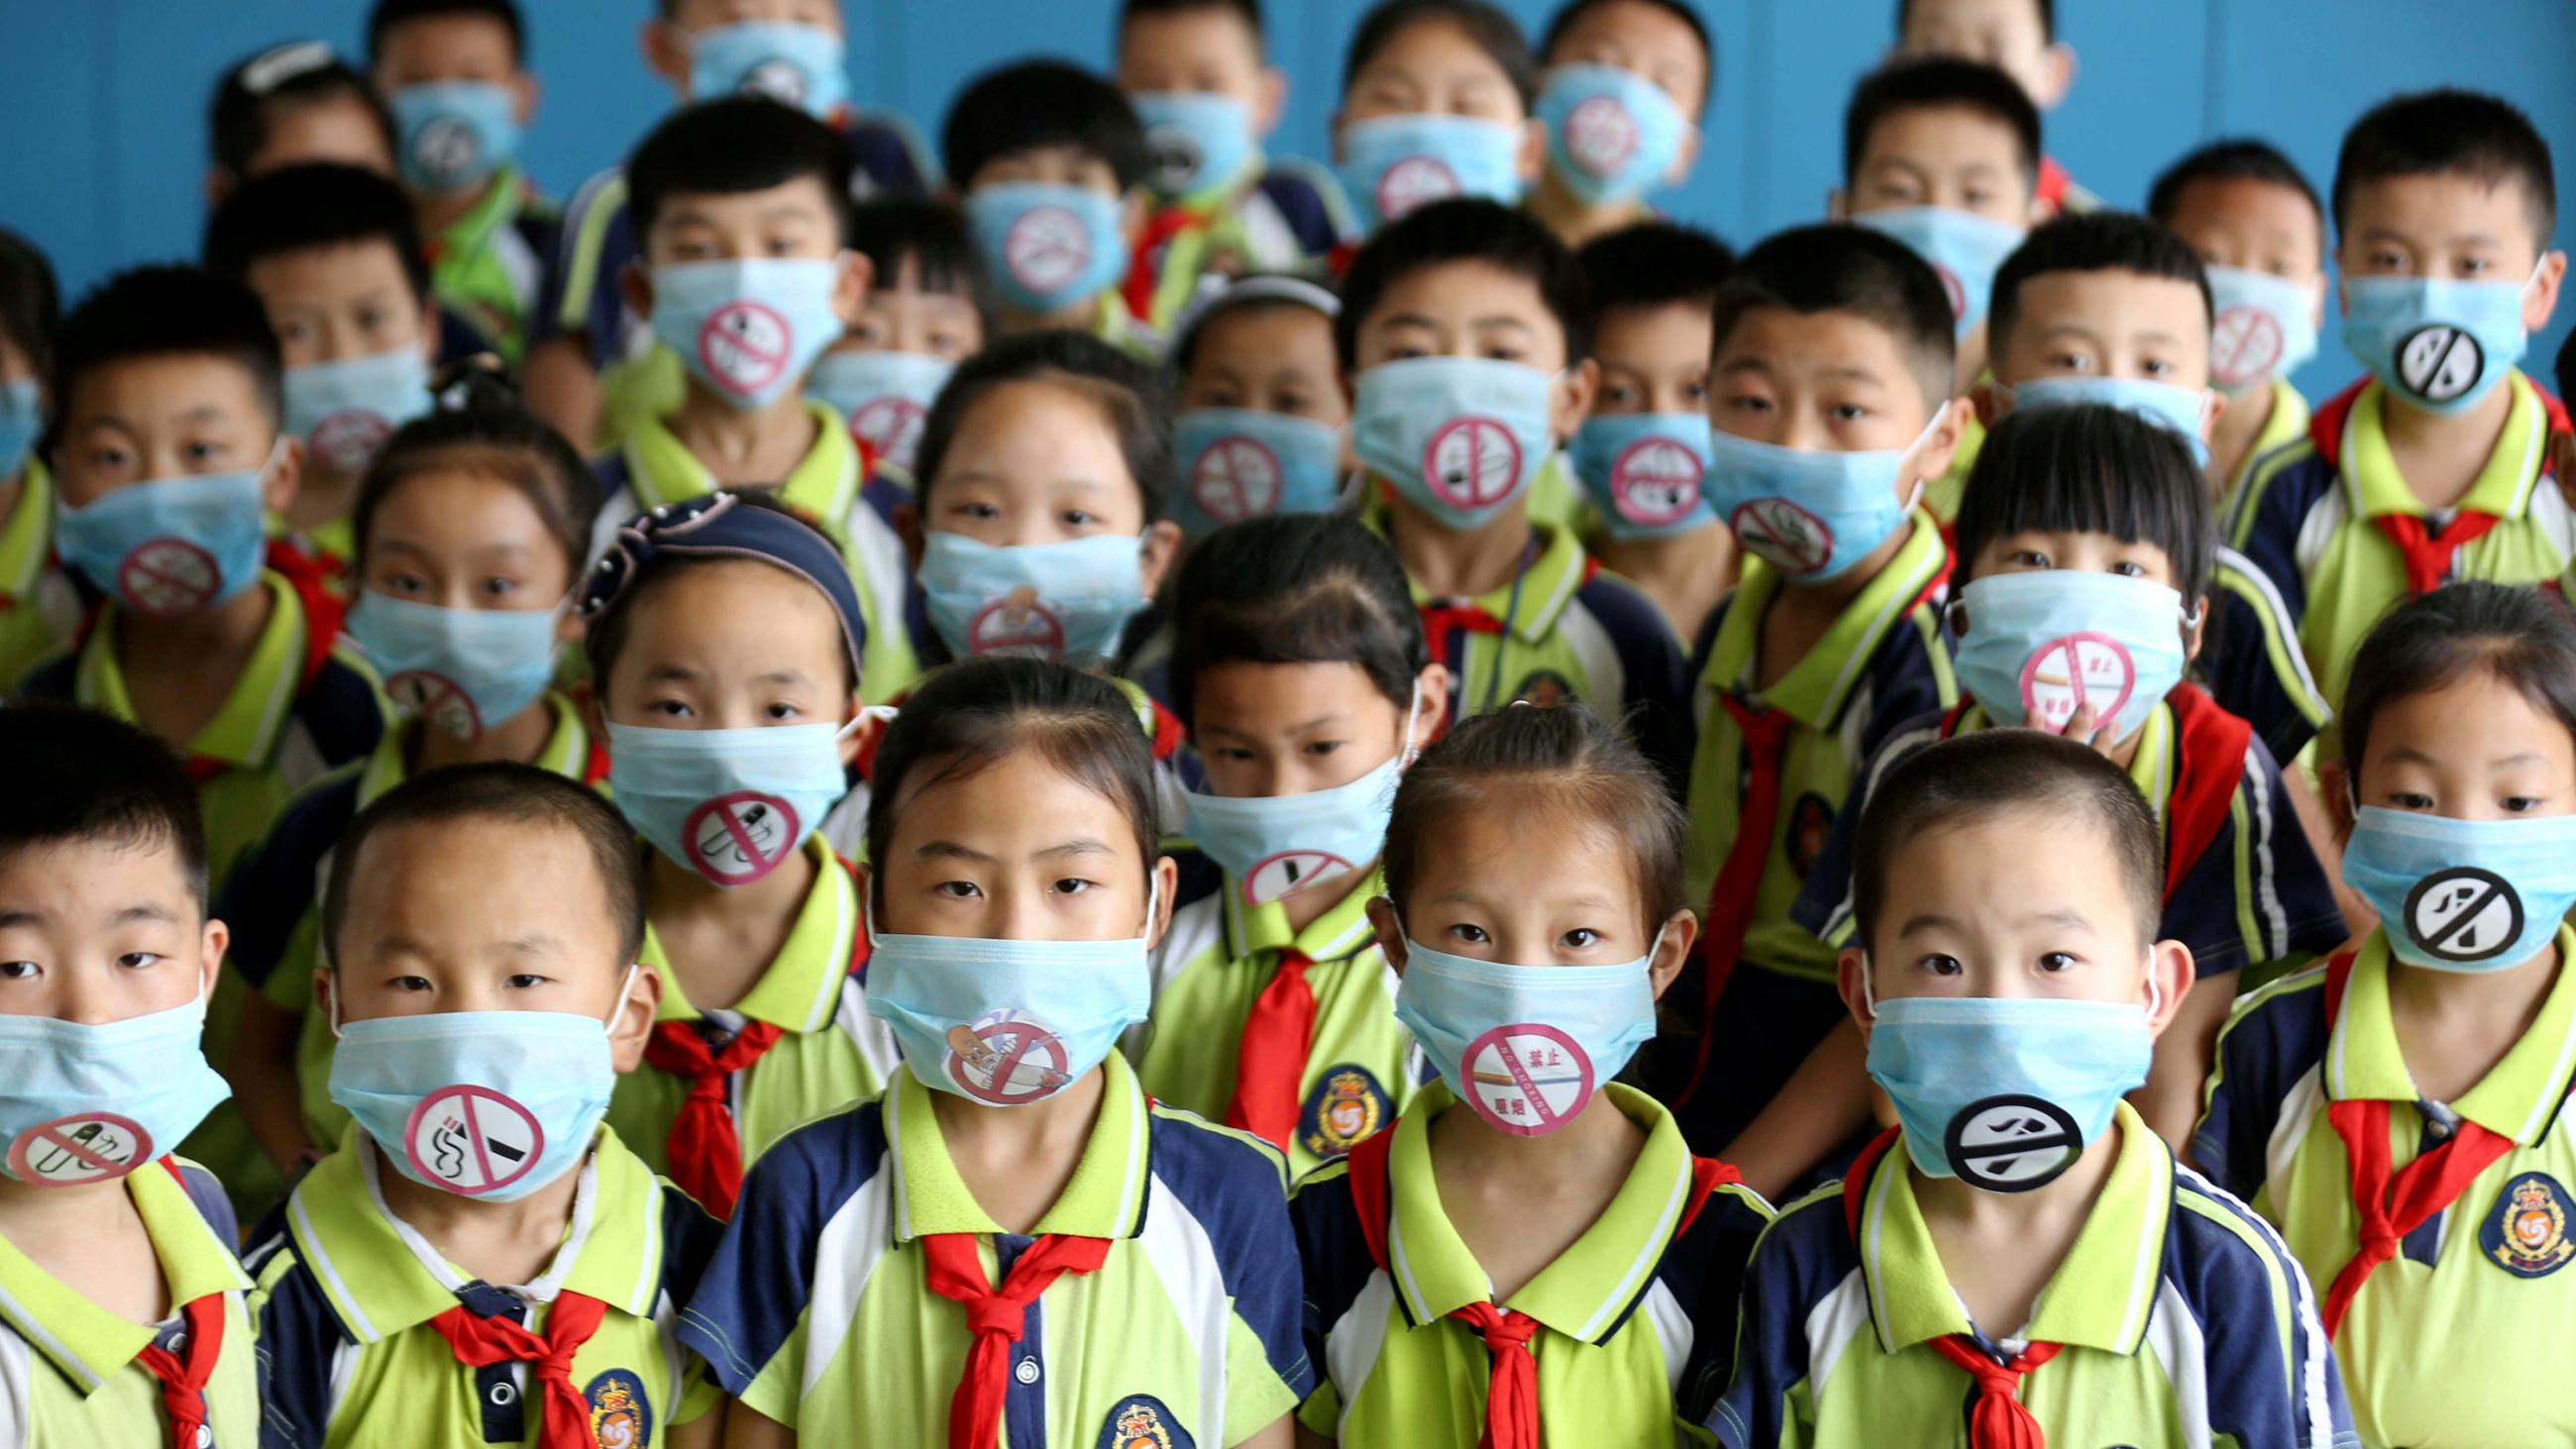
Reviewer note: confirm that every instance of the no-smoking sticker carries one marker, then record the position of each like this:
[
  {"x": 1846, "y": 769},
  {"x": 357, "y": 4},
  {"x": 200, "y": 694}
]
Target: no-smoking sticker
[
  {"x": 2244, "y": 344},
  {"x": 1600, "y": 135},
  {"x": 1289, "y": 872},
  {"x": 892, "y": 426},
  {"x": 738, "y": 838},
  {"x": 744, "y": 346},
  {"x": 2069, "y": 673},
  {"x": 1018, "y": 625},
  {"x": 1472, "y": 463},
  {"x": 2464, "y": 914},
  {"x": 1007, "y": 1059},
  {"x": 2012, "y": 1143},
  {"x": 1236, "y": 479},
  {"x": 782, "y": 81},
  {"x": 1176, "y": 156},
  {"x": 83, "y": 1148},
  {"x": 446, "y": 149},
  {"x": 1783, "y": 533},
  {"x": 2440, "y": 363},
  {"x": 168, "y": 577},
  {"x": 348, "y": 439},
  {"x": 472, "y": 1140},
  {"x": 1527, "y": 1079},
  {"x": 1413, "y": 183},
  {"x": 1655, "y": 482},
  {"x": 437, "y": 699},
  {"x": 1047, "y": 249}
]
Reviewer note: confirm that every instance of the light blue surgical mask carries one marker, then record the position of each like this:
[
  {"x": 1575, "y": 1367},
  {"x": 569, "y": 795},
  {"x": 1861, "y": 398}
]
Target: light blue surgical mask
[
  {"x": 2181, "y": 410},
  {"x": 1812, "y": 516},
  {"x": 2056, "y": 640},
  {"x": 1965, "y": 251},
  {"x": 1237, "y": 463},
  {"x": 1068, "y": 601},
  {"x": 2263, "y": 327},
  {"x": 2005, "y": 1095},
  {"x": 346, "y": 408},
  {"x": 484, "y": 1104},
  {"x": 793, "y": 64},
  {"x": 1273, "y": 846},
  {"x": 172, "y": 546},
  {"x": 1459, "y": 437},
  {"x": 885, "y": 395},
  {"x": 1525, "y": 1047},
  {"x": 1396, "y": 165},
  {"x": 463, "y": 670},
  {"x": 1201, "y": 144},
  {"x": 1644, "y": 472},
  {"x": 1050, "y": 248},
  {"x": 2463, "y": 895},
  {"x": 455, "y": 134},
  {"x": 731, "y": 804},
  {"x": 1007, "y": 1023},
  {"x": 87, "y": 1102},
  {"x": 22, "y": 417},
  {"x": 1612, "y": 134},
  {"x": 2440, "y": 344},
  {"x": 747, "y": 329}
]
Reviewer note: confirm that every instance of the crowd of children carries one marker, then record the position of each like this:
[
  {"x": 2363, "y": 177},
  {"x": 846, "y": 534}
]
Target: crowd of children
[{"x": 1095, "y": 786}]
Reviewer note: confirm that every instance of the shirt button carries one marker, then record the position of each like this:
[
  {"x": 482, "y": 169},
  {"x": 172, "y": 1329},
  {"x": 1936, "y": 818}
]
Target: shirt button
[
  {"x": 179, "y": 1343},
  {"x": 1027, "y": 1372},
  {"x": 205, "y": 1436},
  {"x": 504, "y": 1393}
]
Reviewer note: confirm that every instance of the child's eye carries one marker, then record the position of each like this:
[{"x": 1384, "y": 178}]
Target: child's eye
[
  {"x": 2054, "y": 962},
  {"x": 669, "y": 709},
  {"x": 976, "y": 510},
  {"x": 2521, "y": 804},
  {"x": 140, "y": 960},
  {"x": 1977, "y": 196},
  {"x": 202, "y": 452},
  {"x": 409, "y": 983},
  {"x": 2473, "y": 266},
  {"x": 1504, "y": 354},
  {"x": 1847, "y": 412},
  {"x": 2157, "y": 367},
  {"x": 1581, "y": 938},
  {"x": 294, "y": 332},
  {"x": 2028, "y": 558},
  {"x": 958, "y": 890},
  {"x": 371, "y": 318},
  {"x": 1324, "y": 747},
  {"x": 406, "y": 584},
  {"x": 1749, "y": 404},
  {"x": 2410, "y": 800},
  {"x": 2129, "y": 570},
  {"x": 1619, "y": 392},
  {"x": 2386, "y": 261},
  {"x": 780, "y": 246},
  {"x": 19, "y": 970},
  {"x": 2067, "y": 362},
  {"x": 1236, "y": 753},
  {"x": 1078, "y": 518},
  {"x": 1470, "y": 933},
  {"x": 1072, "y": 885},
  {"x": 1224, "y": 397},
  {"x": 1695, "y": 393},
  {"x": 498, "y": 588},
  {"x": 526, "y": 981},
  {"x": 1942, "y": 965},
  {"x": 1404, "y": 353},
  {"x": 783, "y": 710}
]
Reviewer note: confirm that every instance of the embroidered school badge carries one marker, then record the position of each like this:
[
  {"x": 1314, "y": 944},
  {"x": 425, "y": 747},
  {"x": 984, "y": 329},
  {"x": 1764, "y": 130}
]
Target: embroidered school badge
[
  {"x": 2526, "y": 1232},
  {"x": 1141, "y": 1422},
  {"x": 1345, "y": 1107},
  {"x": 620, "y": 1416}
]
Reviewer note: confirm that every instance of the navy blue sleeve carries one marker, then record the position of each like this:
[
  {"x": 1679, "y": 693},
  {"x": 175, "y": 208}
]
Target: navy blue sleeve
[
  {"x": 1334, "y": 1255},
  {"x": 689, "y": 1237},
  {"x": 1704, "y": 1269},
  {"x": 2250, "y": 655},
  {"x": 341, "y": 710},
  {"x": 1824, "y": 896},
  {"x": 298, "y": 1337},
  {"x": 2282, "y": 888},
  {"x": 1232, "y": 1189},
  {"x": 1905, "y": 684},
  {"x": 212, "y": 1204},
  {"x": 881, "y": 160},
  {"x": 2256, "y": 1400},
  {"x": 1655, "y": 706},
  {"x": 273, "y": 885},
  {"x": 1804, "y": 1255},
  {"x": 2261, "y": 1052},
  {"x": 1303, "y": 208}
]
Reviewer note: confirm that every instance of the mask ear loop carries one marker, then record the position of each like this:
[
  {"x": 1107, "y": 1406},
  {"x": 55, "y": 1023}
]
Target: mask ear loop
[
  {"x": 1868, "y": 993},
  {"x": 1405, "y": 753},
  {"x": 625, "y": 989}
]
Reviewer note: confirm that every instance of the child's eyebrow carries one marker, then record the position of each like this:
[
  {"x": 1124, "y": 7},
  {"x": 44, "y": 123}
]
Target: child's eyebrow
[
  {"x": 950, "y": 850},
  {"x": 2066, "y": 916},
  {"x": 534, "y": 943},
  {"x": 1930, "y": 921},
  {"x": 661, "y": 672},
  {"x": 1082, "y": 846},
  {"x": 14, "y": 918},
  {"x": 1504, "y": 320},
  {"x": 789, "y": 675},
  {"x": 147, "y": 911}
]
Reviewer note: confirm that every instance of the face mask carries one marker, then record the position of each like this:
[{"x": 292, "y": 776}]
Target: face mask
[
  {"x": 1525, "y": 1046},
  {"x": 1237, "y": 464},
  {"x": 83, "y": 1103},
  {"x": 2265, "y": 327},
  {"x": 1278, "y": 845},
  {"x": 795, "y": 65},
  {"x": 1812, "y": 516},
  {"x": 1200, "y": 144},
  {"x": 1067, "y": 601},
  {"x": 1050, "y": 248},
  {"x": 2463, "y": 895},
  {"x": 1964, "y": 249},
  {"x": 22, "y": 417},
  {"x": 1643, "y": 472},
  {"x": 346, "y": 408},
  {"x": 459, "y": 669},
  {"x": 172, "y": 546},
  {"x": 2060, "y": 639},
  {"x": 1612, "y": 134},
  {"x": 2181, "y": 409},
  {"x": 731, "y": 805},
  {"x": 483, "y": 1104},
  {"x": 455, "y": 134},
  {"x": 1007, "y": 1023},
  {"x": 1459, "y": 437},
  {"x": 885, "y": 395},
  {"x": 749, "y": 329},
  {"x": 2442, "y": 345},
  {"x": 1399, "y": 164},
  {"x": 2006, "y": 1095}
]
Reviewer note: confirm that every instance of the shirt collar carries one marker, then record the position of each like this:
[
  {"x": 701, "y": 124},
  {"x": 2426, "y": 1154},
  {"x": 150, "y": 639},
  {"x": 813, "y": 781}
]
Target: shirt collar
[
  {"x": 566, "y": 751},
  {"x": 1342, "y": 930},
  {"x": 2504, "y": 483},
  {"x": 87, "y": 1343},
  {"x": 822, "y": 485},
  {"x": 1815, "y": 688},
  {"x": 801, "y": 989},
  {"x": 2517, "y": 1098},
  {"x": 2287, "y": 423},
  {"x": 246, "y": 725},
  {"x": 497, "y": 208},
  {"x": 27, "y": 534},
  {"x": 1530, "y": 602},
  {"x": 1104, "y": 1199}
]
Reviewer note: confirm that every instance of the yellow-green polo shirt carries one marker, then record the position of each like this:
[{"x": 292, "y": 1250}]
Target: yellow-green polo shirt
[
  {"x": 484, "y": 270},
  {"x": 39, "y": 608},
  {"x": 2285, "y": 424}
]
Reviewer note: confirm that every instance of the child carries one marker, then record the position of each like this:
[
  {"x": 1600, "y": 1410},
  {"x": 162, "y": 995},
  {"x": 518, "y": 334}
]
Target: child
[
  {"x": 1627, "y": 84},
  {"x": 2394, "y": 1112},
  {"x": 455, "y": 75},
  {"x": 1531, "y": 1254},
  {"x": 1830, "y": 399},
  {"x": 928, "y": 309},
  {"x": 2017, "y": 37},
  {"x": 2021, "y": 1253},
  {"x": 2257, "y": 224},
  {"x": 125, "y": 1321},
  {"x": 747, "y": 275},
  {"x": 480, "y": 1257},
  {"x": 726, "y": 650},
  {"x": 1465, "y": 332},
  {"x": 1050, "y": 161},
  {"x": 1301, "y": 672},
  {"x": 294, "y": 105},
  {"x": 2437, "y": 465},
  {"x": 39, "y": 608},
  {"x": 1263, "y": 409},
  {"x": 469, "y": 534},
  {"x": 331, "y": 252},
  {"x": 1197, "y": 74},
  {"x": 1644, "y": 452},
  {"x": 1015, "y": 1237},
  {"x": 1436, "y": 98}
]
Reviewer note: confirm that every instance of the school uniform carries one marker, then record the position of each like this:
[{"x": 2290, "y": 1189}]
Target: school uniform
[
  {"x": 2460, "y": 1336},
  {"x": 1159, "y": 1296},
  {"x": 2286, "y": 423},
  {"x": 326, "y": 551},
  {"x": 487, "y": 268},
  {"x": 1287, "y": 219},
  {"x": 40, "y": 608},
  {"x": 2061, "y": 191},
  {"x": 1633, "y": 1319},
  {"x": 369, "y": 1337},
  {"x": 73, "y": 1373},
  {"x": 2176, "y": 1318}
]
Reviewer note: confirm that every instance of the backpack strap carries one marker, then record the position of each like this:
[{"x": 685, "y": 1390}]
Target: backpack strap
[{"x": 2210, "y": 749}]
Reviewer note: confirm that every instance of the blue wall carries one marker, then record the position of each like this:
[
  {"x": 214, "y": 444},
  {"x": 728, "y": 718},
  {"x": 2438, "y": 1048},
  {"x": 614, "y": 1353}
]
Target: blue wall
[{"x": 103, "y": 100}]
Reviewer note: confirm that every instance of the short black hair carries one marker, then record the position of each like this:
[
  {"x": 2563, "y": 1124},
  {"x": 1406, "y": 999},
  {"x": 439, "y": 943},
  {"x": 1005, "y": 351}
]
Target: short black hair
[
  {"x": 1681, "y": 10},
  {"x": 481, "y": 425},
  {"x": 1038, "y": 103},
  {"x": 157, "y": 311},
  {"x": 1654, "y": 264},
  {"x": 92, "y": 776},
  {"x": 1295, "y": 588},
  {"x": 296, "y": 208},
  {"x": 1247, "y": 11},
  {"x": 2092, "y": 241},
  {"x": 300, "y": 73},
  {"x": 2238, "y": 158},
  {"x": 498, "y": 790},
  {"x": 1134, "y": 400},
  {"x": 1933, "y": 81},
  {"x": 735, "y": 144},
  {"x": 1985, "y": 773},
  {"x": 31, "y": 301},
  {"x": 2567, "y": 367},
  {"x": 1497, "y": 34},
  {"x": 389, "y": 13},
  {"x": 2522, "y": 636},
  {"x": 1837, "y": 267},
  {"x": 934, "y": 236},
  {"x": 2089, "y": 468},
  {"x": 1464, "y": 230},
  {"x": 2478, "y": 136},
  {"x": 2047, "y": 18}
]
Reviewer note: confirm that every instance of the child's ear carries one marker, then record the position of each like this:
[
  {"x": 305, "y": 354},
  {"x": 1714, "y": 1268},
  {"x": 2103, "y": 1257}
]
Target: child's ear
[
  {"x": 858, "y": 738},
  {"x": 1672, "y": 950},
  {"x": 1572, "y": 402},
  {"x": 2170, "y": 971},
  {"x": 213, "y": 939},
  {"x": 1941, "y": 443},
  {"x": 666, "y": 52},
  {"x": 635, "y": 284},
  {"x": 1270, "y": 100},
  {"x": 1837, "y": 205},
  {"x": 1131, "y": 215},
  {"x": 633, "y": 1021},
  {"x": 1162, "y": 544},
  {"x": 1433, "y": 715},
  {"x": 1390, "y": 935},
  {"x": 2058, "y": 63},
  {"x": 2211, "y": 411},
  {"x": 326, "y": 984},
  {"x": 1851, "y": 979},
  {"x": 594, "y": 714},
  {"x": 1985, "y": 401},
  {"x": 2197, "y": 632},
  {"x": 2318, "y": 313},
  {"x": 1685, "y": 158},
  {"x": 1533, "y": 151},
  {"x": 850, "y": 284},
  {"x": 2542, "y": 299},
  {"x": 524, "y": 92},
  {"x": 277, "y": 490},
  {"x": 1167, "y": 880}
]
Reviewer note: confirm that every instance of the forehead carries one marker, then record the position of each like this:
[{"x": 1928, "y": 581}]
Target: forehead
[
  {"x": 164, "y": 384},
  {"x": 347, "y": 266},
  {"x": 706, "y": 14},
  {"x": 1790, "y": 340},
  {"x": 522, "y": 875},
  {"x": 126, "y": 871},
  {"x": 1019, "y": 796},
  {"x": 756, "y": 613},
  {"x": 1471, "y": 288},
  {"x": 1629, "y": 22},
  {"x": 1941, "y": 134},
  {"x": 1264, "y": 333},
  {"x": 2002, "y": 864},
  {"x": 448, "y": 33},
  {"x": 2442, "y": 204},
  {"x": 1658, "y": 327},
  {"x": 1432, "y": 46},
  {"x": 1936, "y": 19},
  {"x": 797, "y": 198},
  {"x": 2248, "y": 201},
  {"x": 2109, "y": 296},
  {"x": 1196, "y": 30}
]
